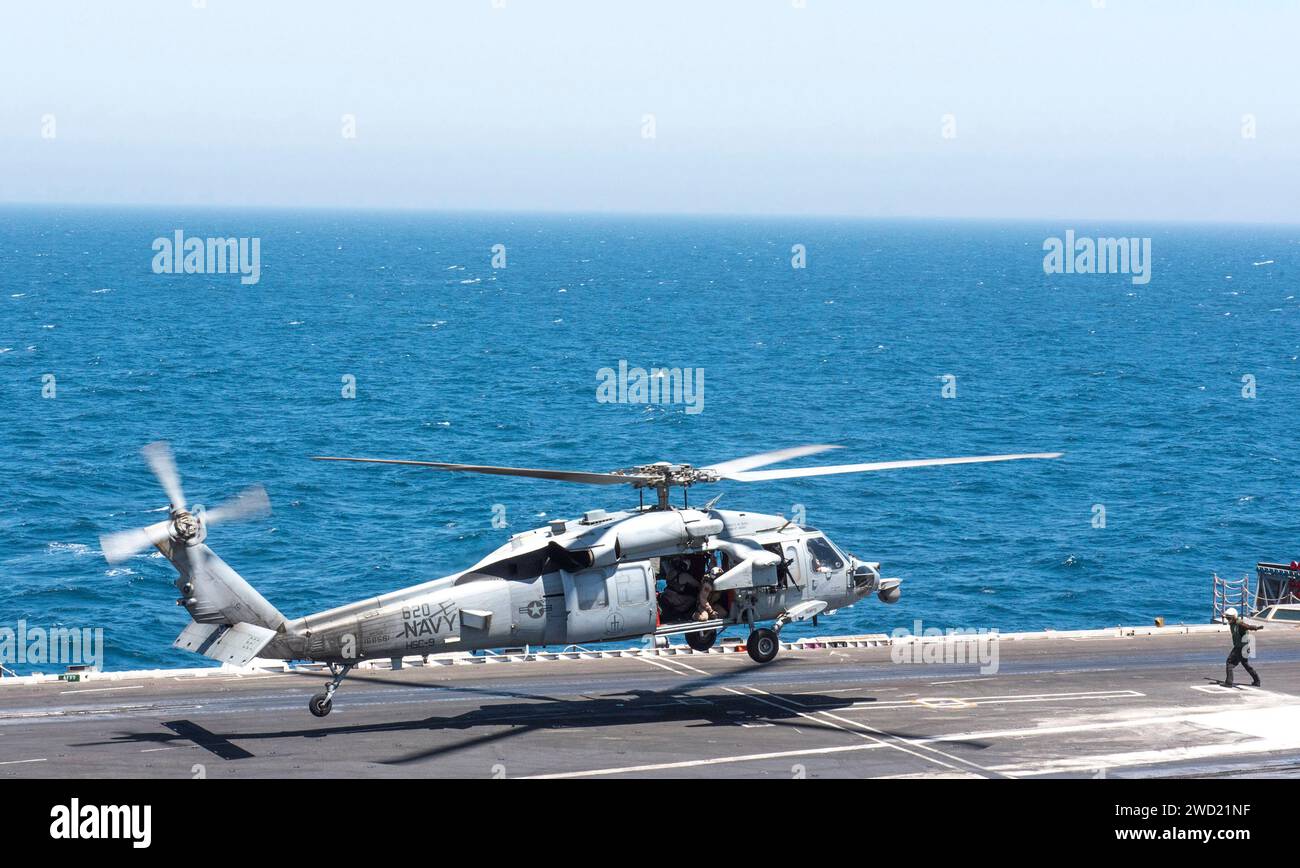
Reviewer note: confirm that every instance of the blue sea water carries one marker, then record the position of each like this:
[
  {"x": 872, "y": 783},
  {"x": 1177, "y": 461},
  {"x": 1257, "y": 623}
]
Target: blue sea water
[{"x": 1141, "y": 386}]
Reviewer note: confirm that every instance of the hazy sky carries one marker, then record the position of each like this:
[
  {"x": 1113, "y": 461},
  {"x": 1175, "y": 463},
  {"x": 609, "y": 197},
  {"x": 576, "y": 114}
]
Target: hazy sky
[{"x": 1061, "y": 109}]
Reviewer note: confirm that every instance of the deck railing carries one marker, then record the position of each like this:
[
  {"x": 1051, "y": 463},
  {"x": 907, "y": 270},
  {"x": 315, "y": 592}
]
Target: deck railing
[
  {"x": 1231, "y": 593},
  {"x": 1274, "y": 584}
]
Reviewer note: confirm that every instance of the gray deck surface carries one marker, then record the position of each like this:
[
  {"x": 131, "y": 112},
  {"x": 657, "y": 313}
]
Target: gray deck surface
[{"x": 1084, "y": 707}]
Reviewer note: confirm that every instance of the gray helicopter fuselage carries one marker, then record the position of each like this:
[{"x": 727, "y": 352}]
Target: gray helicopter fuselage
[
  {"x": 596, "y": 579},
  {"x": 584, "y": 581}
]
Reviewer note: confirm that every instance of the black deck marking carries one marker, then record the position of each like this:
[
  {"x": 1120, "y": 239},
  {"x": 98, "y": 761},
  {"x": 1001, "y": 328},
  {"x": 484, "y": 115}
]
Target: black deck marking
[{"x": 207, "y": 740}]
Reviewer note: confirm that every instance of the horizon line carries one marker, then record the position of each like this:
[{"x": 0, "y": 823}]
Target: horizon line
[{"x": 632, "y": 213}]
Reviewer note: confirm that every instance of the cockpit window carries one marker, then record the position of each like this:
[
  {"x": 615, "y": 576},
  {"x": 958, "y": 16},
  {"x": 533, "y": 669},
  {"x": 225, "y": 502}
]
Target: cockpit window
[{"x": 822, "y": 557}]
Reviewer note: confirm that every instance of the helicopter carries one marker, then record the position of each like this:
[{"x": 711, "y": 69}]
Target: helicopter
[{"x": 648, "y": 572}]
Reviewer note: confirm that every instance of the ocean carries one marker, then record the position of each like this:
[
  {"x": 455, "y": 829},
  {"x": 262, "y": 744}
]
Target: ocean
[{"x": 1172, "y": 400}]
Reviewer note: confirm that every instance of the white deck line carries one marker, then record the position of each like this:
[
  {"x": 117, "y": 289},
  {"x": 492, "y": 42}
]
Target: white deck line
[{"x": 872, "y": 640}]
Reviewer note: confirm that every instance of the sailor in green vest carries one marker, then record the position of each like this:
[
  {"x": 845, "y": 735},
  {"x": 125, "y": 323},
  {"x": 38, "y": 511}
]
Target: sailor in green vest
[{"x": 1239, "y": 629}]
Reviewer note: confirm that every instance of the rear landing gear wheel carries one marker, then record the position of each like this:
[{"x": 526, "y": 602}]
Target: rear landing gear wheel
[
  {"x": 321, "y": 704},
  {"x": 762, "y": 645},
  {"x": 703, "y": 640}
]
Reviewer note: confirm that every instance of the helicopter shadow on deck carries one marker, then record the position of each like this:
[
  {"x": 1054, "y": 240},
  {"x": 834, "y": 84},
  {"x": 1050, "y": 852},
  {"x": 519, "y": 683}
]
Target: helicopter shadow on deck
[
  {"x": 507, "y": 721},
  {"x": 537, "y": 711},
  {"x": 678, "y": 704}
]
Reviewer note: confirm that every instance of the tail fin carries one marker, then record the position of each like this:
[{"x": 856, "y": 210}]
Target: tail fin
[
  {"x": 232, "y": 621},
  {"x": 209, "y": 590},
  {"x": 213, "y": 593}
]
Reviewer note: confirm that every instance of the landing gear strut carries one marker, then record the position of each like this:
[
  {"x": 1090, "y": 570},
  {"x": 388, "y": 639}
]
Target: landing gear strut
[
  {"x": 322, "y": 703},
  {"x": 762, "y": 645}
]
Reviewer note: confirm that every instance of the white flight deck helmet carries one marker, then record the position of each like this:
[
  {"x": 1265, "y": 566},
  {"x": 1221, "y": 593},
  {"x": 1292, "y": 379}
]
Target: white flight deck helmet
[{"x": 1230, "y": 613}]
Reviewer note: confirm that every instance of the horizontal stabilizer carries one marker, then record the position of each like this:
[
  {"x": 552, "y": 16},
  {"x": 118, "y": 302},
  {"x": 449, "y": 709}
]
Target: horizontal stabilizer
[{"x": 235, "y": 645}]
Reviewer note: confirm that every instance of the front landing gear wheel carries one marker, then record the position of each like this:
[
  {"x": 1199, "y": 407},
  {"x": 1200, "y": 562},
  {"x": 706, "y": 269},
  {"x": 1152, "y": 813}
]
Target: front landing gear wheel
[
  {"x": 762, "y": 645},
  {"x": 703, "y": 640},
  {"x": 320, "y": 704}
]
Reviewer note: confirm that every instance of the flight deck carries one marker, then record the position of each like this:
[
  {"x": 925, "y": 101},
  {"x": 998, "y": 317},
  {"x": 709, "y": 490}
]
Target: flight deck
[{"x": 1122, "y": 702}]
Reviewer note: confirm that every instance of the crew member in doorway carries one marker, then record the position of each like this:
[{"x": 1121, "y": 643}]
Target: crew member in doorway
[
  {"x": 1239, "y": 630},
  {"x": 682, "y": 590},
  {"x": 704, "y": 609}
]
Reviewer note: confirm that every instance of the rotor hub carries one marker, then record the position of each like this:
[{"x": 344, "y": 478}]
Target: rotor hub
[
  {"x": 663, "y": 475},
  {"x": 187, "y": 527}
]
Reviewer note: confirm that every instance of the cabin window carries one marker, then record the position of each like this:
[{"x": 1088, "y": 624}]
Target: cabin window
[
  {"x": 591, "y": 591},
  {"x": 631, "y": 590}
]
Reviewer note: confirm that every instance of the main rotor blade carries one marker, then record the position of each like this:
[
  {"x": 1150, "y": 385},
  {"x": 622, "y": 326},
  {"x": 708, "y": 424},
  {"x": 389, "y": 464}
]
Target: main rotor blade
[
  {"x": 248, "y": 503},
  {"x": 798, "y": 472},
  {"x": 736, "y": 465},
  {"x": 163, "y": 465},
  {"x": 557, "y": 475},
  {"x": 119, "y": 546}
]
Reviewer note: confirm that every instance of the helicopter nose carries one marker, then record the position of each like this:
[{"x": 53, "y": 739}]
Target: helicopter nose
[{"x": 866, "y": 577}]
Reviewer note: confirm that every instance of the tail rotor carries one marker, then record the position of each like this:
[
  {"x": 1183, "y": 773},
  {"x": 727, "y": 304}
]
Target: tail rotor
[{"x": 185, "y": 526}]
